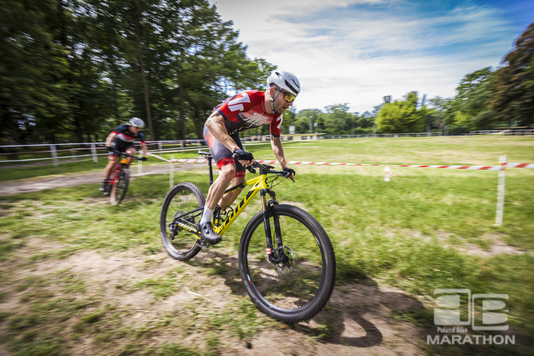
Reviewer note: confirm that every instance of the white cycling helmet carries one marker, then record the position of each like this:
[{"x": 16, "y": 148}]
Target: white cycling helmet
[
  {"x": 284, "y": 81},
  {"x": 137, "y": 122}
]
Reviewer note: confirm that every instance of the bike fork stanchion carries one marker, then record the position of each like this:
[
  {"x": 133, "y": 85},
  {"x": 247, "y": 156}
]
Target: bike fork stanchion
[
  {"x": 267, "y": 225},
  {"x": 276, "y": 222},
  {"x": 139, "y": 167}
]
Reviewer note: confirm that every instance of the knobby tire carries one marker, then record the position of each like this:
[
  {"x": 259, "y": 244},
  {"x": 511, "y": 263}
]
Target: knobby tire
[
  {"x": 298, "y": 291},
  {"x": 182, "y": 198},
  {"x": 118, "y": 190}
]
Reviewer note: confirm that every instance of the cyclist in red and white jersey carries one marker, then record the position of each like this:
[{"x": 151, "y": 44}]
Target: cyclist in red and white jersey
[{"x": 248, "y": 109}]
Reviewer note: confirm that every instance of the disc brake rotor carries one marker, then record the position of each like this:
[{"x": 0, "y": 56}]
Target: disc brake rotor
[{"x": 287, "y": 265}]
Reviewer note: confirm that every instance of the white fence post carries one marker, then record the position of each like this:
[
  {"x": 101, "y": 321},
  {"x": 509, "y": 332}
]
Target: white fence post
[
  {"x": 500, "y": 192},
  {"x": 93, "y": 151},
  {"x": 171, "y": 177},
  {"x": 54, "y": 154}
]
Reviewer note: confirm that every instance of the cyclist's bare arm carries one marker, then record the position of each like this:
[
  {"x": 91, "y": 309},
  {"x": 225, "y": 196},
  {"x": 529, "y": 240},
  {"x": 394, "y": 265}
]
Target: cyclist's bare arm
[
  {"x": 110, "y": 138},
  {"x": 278, "y": 150},
  {"x": 215, "y": 124}
]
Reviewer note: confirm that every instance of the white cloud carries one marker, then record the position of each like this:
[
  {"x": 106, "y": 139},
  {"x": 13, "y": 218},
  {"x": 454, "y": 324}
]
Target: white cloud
[{"x": 343, "y": 53}]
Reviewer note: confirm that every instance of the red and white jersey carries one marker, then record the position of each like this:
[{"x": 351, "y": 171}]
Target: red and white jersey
[{"x": 247, "y": 110}]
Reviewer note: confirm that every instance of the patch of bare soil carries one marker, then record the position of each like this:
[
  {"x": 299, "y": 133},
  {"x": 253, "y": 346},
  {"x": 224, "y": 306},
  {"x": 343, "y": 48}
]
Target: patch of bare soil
[
  {"x": 358, "y": 315},
  {"x": 74, "y": 179},
  {"x": 497, "y": 246}
]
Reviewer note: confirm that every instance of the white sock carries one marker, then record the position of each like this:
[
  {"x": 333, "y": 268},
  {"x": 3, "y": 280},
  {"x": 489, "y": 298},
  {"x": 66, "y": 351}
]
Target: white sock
[{"x": 206, "y": 216}]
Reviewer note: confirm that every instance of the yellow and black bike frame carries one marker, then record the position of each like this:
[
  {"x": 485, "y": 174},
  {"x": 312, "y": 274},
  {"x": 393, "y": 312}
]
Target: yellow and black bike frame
[{"x": 259, "y": 184}]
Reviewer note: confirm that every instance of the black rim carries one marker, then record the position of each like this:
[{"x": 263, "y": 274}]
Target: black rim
[
  {"x": 182, "y": 201},
  {"x": 291, "y": 286}
]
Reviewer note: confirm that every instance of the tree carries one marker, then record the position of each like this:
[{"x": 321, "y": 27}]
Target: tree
[
  {"x": 74, "y": 69},
  {"x": 303, "y": 118},
  {"x": 402, "y": 116},
  {"x": 440, "y": 116},
  {"x": 365, "y": 120},
  {"x": 513, "y": 87},
  {"x": 32, "y": 69},
  {"x": 472, "y": 101},
  {"x": 337, "y": 120}
]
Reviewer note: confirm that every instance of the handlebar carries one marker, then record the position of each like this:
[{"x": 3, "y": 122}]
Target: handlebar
[
  {"x": 128, "y": 155},
  {"x": 266, "y": 169}
]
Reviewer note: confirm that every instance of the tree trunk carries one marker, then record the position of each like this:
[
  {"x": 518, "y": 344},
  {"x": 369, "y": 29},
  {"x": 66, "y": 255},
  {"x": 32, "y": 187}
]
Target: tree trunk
[
  {"x": 143, "y": 80},
  {"x": 182, "y": 108}
]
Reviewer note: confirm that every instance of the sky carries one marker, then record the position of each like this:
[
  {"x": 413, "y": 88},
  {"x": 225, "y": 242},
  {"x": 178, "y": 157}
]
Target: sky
[{"x": 355, "y": 52}]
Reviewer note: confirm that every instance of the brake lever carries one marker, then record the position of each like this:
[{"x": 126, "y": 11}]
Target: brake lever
[{"x": 251, "y": 169}]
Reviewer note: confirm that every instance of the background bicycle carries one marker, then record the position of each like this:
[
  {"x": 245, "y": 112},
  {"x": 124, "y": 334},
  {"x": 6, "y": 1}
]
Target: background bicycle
[
  {"x": 286, "y": 259},
  {"x": 119, "y": 180}
]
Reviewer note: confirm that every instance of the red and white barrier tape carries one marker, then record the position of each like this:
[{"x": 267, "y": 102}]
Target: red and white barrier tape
[{"x": 481, "y": 168}]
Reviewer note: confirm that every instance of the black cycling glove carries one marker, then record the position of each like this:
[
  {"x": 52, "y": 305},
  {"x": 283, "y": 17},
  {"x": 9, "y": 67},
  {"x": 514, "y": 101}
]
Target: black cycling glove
[
  {"x": 143, "y": 158},
  {"x": 289, "y": 171},
  {"x": 242, "y": 155},
  {"x": 111, "y": 149}
]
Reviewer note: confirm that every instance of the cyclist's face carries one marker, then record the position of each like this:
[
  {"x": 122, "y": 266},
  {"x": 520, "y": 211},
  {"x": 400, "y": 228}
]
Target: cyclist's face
[
  {"x": 281, "y": 103},
  {"x": 135, "y": 129}
]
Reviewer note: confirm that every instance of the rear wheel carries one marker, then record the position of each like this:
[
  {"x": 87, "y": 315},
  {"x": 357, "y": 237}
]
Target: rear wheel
[
  {"x": 182, "y": 204},
  {"x": 296, "y": 281},
  {"x": 118, "y": 190}
]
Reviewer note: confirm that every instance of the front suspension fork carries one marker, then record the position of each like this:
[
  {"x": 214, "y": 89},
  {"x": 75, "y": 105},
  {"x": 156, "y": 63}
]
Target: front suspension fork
[{"x": 278, "y": 255}]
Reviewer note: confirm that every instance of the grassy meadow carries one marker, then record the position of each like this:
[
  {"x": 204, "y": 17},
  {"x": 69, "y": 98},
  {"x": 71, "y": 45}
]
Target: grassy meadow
[{"x": 62, "y": 250}]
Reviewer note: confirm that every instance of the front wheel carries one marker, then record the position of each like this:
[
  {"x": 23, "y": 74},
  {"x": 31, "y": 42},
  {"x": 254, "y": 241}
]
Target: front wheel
[
  {"x": 296, "y": 284},
  {"x": 182, "y": 205},
  {"x": 119, "y": 188}
]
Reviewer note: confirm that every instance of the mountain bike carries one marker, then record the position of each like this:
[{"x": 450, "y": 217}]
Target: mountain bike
[
  {"x": 286, "y": 260},
  {"x": 118, "y": 182}
]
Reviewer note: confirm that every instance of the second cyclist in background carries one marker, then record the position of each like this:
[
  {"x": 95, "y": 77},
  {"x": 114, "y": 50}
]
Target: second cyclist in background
[
  {"x": 122, "y": 140},
  {"x": 243, "y": 111}
]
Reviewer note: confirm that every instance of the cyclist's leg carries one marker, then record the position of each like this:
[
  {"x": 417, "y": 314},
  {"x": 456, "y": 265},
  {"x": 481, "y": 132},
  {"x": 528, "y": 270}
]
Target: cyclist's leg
[
  {"x": 239, "y": 178},
  {"x": 131, "y": 151},
  {"x": 112, "y": 161},
  {"x": 227, "y": 168}
]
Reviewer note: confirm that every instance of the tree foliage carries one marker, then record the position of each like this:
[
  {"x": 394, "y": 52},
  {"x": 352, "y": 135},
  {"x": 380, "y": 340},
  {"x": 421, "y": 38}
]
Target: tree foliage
[
  {"x": 402, "y": 115},
  {"x": 513, "y": 88},
  {"x": 74, "y": 69}
]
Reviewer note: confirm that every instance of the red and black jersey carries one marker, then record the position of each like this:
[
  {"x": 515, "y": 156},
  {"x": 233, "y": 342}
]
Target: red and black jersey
[
  {"x": 124, "y": 134},
  {"x": 247, "y": 110}
]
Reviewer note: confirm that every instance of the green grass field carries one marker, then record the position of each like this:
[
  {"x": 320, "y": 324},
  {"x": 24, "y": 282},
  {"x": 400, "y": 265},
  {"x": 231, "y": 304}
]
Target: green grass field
[{"x": 426, "y": 229}]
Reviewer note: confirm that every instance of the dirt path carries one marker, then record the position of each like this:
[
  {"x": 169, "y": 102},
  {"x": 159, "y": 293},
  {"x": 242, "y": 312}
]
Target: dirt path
[
  {"x": 358, "y": 318},
  {"x": 73, "y": 179}
]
